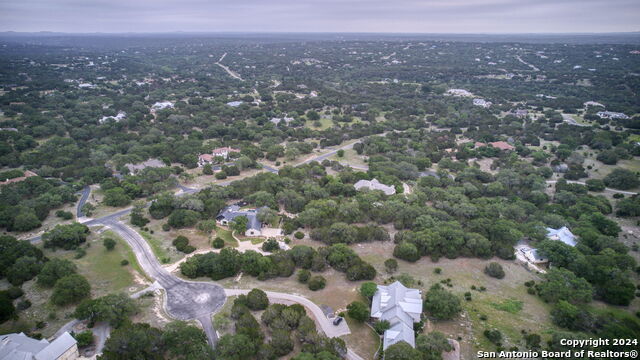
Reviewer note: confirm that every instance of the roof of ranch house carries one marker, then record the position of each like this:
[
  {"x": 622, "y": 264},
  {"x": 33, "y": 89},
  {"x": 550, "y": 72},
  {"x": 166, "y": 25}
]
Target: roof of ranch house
[
  {"x": 563, "y": 234},
  {"x": 222, "y": 150},
  {"x": 20, "y": 346},
  {"x": 375, "y": 185},
  {"x": 233, "y": 211},
  {"x": 401, "y": 306}
]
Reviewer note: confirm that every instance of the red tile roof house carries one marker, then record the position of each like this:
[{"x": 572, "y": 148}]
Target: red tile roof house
[
  {"x": 222, "y": 152},
  {"x": 205, "y": 159},
  {"x": 502, "y": 145},
  {"x": 21, "y": 178}
]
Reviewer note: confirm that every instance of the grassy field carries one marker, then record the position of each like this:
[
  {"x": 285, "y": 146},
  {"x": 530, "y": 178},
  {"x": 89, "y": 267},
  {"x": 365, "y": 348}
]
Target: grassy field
[
  {"x": 227, "y": 237},
  {"x": 102, "y": 269},
  {"x": 363, "y": 340},
  {"x": 350, "y": 157},
  {"x": 161, "y": 247},
  {"x": 325, "y": 123},
  {"x": 599, "y": 170},
  {"x": 200, "y": 180},
  {"x": 499, "y": 303}
]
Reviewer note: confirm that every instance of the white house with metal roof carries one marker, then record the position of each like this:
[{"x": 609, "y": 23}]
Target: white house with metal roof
[
  {"x": 254, "y": 226},
  {"x": 563, "y": 234},
  {"x": 375, "y": 185},
  {"x": 21, "y": 347},
  {"x": 401, "y": 307}
]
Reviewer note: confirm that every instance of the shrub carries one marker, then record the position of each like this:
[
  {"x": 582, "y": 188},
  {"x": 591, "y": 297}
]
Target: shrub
[
  {"x": 55, "y": 269},
  {"x": 298, "y": 235},
  {"x": 257, "y": 300},
  {"x": 270, "y": 245},
  {"x": 317, "y": 283},
  {"x": 14, "y": 292},
  {"x": 124, "y": 262},
  {"x": 23, "y": 305},
  {"x": 595, "y": 185},
  {"x": 218, "y": 243},
  {"x": 84, "y": 338},
  {"x": 358, "y": 310},
  {"x": 437, "y": 270},
  {"x": 622, "y": 179},
  {"x": 391, "y": 265},
  {"x": 65, "y": 215},
  {"x": 494, "y": 270},
  {"x": 441, "y": 304},
  {"x": 109, "y": 243},
  {"x": 182, "y": 244},
  {"x": 368, "y": 289},
  {"x": 495, "y": 336},
  {"x": 80, "y": 253},
  {"x": 303, "y": 276},
  {"x": 381, "y": 326},
  {"x": 406, "y": 251},
  {"x": 220, "y": 175},
  {"x": 70, "y": 289},
  {"x": 67, "y": 237}
]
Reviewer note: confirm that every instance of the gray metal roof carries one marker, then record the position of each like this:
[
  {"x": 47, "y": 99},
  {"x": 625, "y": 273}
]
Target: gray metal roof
[
  {"x": 563, "y": 234},
  {"x": 401, "y": 307},
  {"x": 233, "y": 211},
  {"x": 399, "y": 332},
  {"x": 375, "y": 185},
  {"x": 58, "y": 347},
  {"x": 21, "y": 347}
]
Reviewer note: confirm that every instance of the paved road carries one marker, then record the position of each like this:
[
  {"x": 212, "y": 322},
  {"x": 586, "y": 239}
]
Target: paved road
[
  {"x": 68, "y": 327},
  {"x": 186, "y": 190},
  {"x": 86, "y": 191},
  {"x": 207, "y": 325},
  {"x": 101, "y": 331},
  {"x": 231, "y": 73},
  {"x": 185, "y": 300},
  {"x": 269, "y": 168},
  {"x": 605, "y": 189},
  {"x": 526, "y": 63}
]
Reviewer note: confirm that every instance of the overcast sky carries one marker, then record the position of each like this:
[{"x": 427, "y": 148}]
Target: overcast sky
[{"x": 409, "y": 16}]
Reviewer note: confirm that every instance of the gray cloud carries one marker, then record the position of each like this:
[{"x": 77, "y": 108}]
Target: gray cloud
[{"x": 427, "y": 16}]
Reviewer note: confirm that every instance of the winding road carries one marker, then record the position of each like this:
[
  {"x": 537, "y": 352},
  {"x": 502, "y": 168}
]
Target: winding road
[
  {"x": 86, "y": 191},
  {"x": 185, "y": 300},
  {"x": 188, "y": 300}
]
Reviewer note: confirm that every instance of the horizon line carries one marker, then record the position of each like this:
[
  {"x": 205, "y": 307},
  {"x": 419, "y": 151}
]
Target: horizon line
[{"x": 181, "y": 32}]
